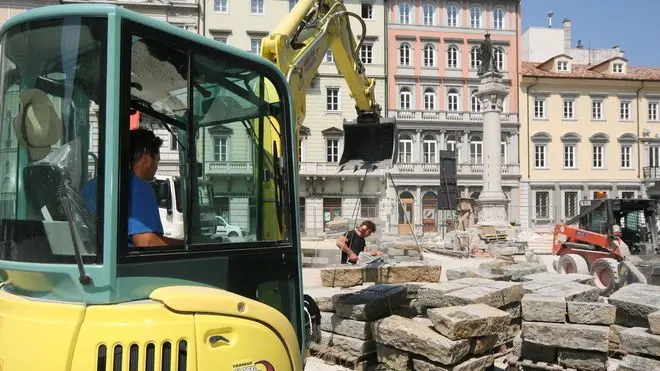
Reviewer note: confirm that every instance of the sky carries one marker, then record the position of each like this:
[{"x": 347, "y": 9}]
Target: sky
[{"x": 634, "y": 25}]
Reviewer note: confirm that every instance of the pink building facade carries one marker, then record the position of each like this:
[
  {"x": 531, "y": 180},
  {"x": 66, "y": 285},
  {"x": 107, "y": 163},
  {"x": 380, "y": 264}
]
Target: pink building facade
[{"x": 432, "y": 76}]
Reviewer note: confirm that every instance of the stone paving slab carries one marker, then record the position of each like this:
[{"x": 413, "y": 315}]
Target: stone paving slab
[
  {"x": 432, "y": 295},
  {"x": 571, "y": 291},
  {"x": 567, "y": 335},
  {"x": 639, "y": 340},
  {"x": 331, "y": 322},
  {"x": 371, "y": 303},
  {"x": 591, "y": 313},
  {"x": 469, "y": 321},
  {"x": 654, "y": 322},
  {"x": 636, "y": 363},
  {"x": 543, "y": 308},
  {"x": 582, "y": 360},
  {"x": 634, "y": 303},
  {"x": 343, "y": 275}
]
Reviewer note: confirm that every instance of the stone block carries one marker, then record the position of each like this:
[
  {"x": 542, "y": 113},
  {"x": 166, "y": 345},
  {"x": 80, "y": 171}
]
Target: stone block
[
  {"x": 531, "y": 286},
  {"x": 543, "y": 308},
  {"x": 413, "y": 253},
  {"x": 344, "y": 326},
  {"x": 594, "y": 313},
  {"x": 567, "y": 335},
  {"x": 482, "y": 344},
  {"x": 323, "y": 296},
  {"x": 512, "y": 292},
  {"x": 654, "y": 322},
  {"x": 639, "y": 340},
  {"x": 533, "y": 352},
  {"x": 326, "y": 341},
  {"x": 414, "y": 337},
  {"x": 514, "y": 309},
  {"x": 394, "y": 359},
  {"x": 570, "y": 291},
  {"x": 406, "y": 259},
  {"x": 352, "y": 347},
  {"x": 516, "y": 271},
  {"x": 636, "y": 363},
  {"x": 586, "y": 279},
  {"x": 423, "y": 320},
  {"x": 468, "y": 272},
  {"x": 371, "y": 303},
  {"x": 432, "y": 295},
  {"x": 342, "y": 276},
  {"x": 634, "y": 303},
  {"x": 469, "y": 321},
  {"x": 475, "y": 295},
  {"x": 418, "y": 271},
  {"x": 411, "y": 289},
  {"x": 582, "y": 360},
  {"x": 615, "y": 334},
  {"x": 471, "y": 364},
  {"x": 392, "y": 251}
]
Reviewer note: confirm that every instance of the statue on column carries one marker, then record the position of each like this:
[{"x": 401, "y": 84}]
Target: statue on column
[{"x": 486, "y": 56}]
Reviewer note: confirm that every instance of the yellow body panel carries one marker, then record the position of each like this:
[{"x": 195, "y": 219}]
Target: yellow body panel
[{"x": 213, "y": 329}]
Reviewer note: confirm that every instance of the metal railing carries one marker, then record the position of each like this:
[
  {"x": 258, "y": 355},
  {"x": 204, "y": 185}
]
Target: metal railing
[{"x": 437, "y": 115}]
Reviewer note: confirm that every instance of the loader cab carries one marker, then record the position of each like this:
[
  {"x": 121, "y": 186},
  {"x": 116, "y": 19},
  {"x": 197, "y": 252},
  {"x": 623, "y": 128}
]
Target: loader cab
[{"x": 71, "y": 76}]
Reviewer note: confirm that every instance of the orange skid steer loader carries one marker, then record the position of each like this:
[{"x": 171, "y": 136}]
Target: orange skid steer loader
[{"x": 615, "y": 240}]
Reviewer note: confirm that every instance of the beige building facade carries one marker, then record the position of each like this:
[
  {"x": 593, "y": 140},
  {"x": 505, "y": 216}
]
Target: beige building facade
[{"x": 588, "y": 131}]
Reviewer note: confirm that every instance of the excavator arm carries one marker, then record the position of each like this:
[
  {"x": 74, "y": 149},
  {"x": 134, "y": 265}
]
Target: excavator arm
[{"x": 299, "y": 44}]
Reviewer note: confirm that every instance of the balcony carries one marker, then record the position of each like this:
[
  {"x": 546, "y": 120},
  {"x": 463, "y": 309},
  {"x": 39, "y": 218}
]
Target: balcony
[
  {"x": 450, "y": 116},
  {"x": 318, "y": 168},
  {"x": 651, "y": 172},
  {"x": 229, "y": 168},
  {"x": 461, "y": 169}
]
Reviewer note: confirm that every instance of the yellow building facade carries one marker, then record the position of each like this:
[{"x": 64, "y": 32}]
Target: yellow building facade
[{"x": 587, "y": 131}]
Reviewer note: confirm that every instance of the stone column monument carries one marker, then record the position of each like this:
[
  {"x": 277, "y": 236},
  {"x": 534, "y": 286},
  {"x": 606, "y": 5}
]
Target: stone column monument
[{"x": 493, "y": 202}]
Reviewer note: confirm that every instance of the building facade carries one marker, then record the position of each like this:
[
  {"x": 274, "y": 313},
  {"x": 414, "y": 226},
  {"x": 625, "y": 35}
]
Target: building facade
[
  {"x": 588, "y": 131},
  {"x": 432, "y": 77},
  {"x": 324, "y": 193}
]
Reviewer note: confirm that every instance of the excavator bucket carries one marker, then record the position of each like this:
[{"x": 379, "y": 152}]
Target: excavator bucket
[{"x": 369, "y": 145}]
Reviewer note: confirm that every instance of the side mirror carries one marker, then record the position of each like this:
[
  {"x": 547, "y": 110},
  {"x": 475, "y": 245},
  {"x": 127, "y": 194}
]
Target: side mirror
[
  {"x": 165, "y": 197},
  {"x": 198, "y": 169}
]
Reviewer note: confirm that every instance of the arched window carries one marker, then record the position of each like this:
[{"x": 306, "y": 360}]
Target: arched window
[
  {"x": 476, "y": 150},
  {"x": 429, "y": 55},
  {"x": 429, "y": 100},
  {"x": 474, "y": 58},
  {"x": 405, "y": 13},
  {"x": 452, "y": 100},
  {"x": 498, "y": 58},
  {"x": 404, "y": 54},
  {"x": 405, "y": 148},
  {"x": 498, "y": 18},
  {"x": 475, "y": 103},
  {"x": 405, "y": 99},
  {"x": 429, "y": 149},
  {"x": 429, "y": 14},
  {"x": 475, "y": 17},
  {"x": 452, "y": 15},
  {"x": 452, "y": 56}
]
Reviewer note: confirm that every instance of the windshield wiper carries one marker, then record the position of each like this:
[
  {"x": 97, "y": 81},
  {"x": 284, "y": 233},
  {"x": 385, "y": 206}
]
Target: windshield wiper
[{"x": 84, "y": 278}]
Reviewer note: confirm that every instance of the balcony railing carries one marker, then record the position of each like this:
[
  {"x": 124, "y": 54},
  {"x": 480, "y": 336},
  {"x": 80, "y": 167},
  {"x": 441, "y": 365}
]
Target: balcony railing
[
  {"x": 651, "y": 172},
  {"x": 454, "y": 116},
  {"x": 323, "y": 168},
  {"x": 228, "y": 167}
]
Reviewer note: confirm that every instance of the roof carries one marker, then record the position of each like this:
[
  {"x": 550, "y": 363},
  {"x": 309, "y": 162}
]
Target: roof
[{"x": 582, "y": 71}]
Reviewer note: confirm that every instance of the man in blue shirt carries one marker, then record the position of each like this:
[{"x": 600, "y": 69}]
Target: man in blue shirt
[{"x": 144, "y": 225}]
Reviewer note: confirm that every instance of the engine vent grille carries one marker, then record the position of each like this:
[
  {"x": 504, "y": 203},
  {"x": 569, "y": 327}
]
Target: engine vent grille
[{"x": 118, "y": 357}]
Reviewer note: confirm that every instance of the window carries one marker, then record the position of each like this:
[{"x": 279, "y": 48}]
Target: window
[
  {"x": 476, "y": 150},
  {"x": 562, "y": 66},
  {"x": 429, "y": 14},
  {"x": 598, "y": 159},
  {"x": 428, "y": 149},
  {"x": 452, "y": 100},
  {"x": 332, "y": 99},
  {"x": 222, "y": 39},
  {"x": 404, "y": 13},
  {"x": 452, "y": 56},
  {"x": 627, "y": 194},
  {"x": 617, "y": 67},
  {"x": 332, "y": 150},
  {"x": 366, "y": 53},
  {"x": 498, "y": 58},
  {"x": 542, "y": 204},
  {"x": 570, "y": 204},
  {"x": 405, "y": 98},
  {"x": 174, "y": 144},
  {"x": 503, "y": 153},
  {"x": 625, "y": 110},
  {"x": 220, "y": 149},
  {"x": 405, "y": 149},
  {"x": 452, "y": 15},
  {"x": 404, "y": 54},
  {"x": 367, "y": 11},
  {"x": 569, "y": 156},
  {"x": 475, "y": 103},
  {"x": 475, "y": 17},
  {"x": 429, "y": 55},
  {"x": 540, "y": 156},
  {"x": 474, "y": 58},
  {"x": 369, "y": 208},
  {"x": 255, "y": 46},
  {"x": 626, "y": 156},
  {"x": 539, "y": 108},
  {"x": 653, "y": 111},
  {"x": 596, "y": 109},
  {"x": 429, "y": 100},
  {"x": 498, "y": 18},
  {"x": 654, "y": 156},
  {"x": 292, "y": 3},
  {"x": 569, "y": 108},
  {"x": 221, "y": 6},
  {"x": 301, "y": 149},
  {"x": 257, "y": 7}
]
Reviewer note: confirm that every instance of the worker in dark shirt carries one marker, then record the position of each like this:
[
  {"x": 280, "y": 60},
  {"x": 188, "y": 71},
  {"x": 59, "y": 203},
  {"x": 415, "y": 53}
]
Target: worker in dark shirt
[{"x": 352, "y": 243}]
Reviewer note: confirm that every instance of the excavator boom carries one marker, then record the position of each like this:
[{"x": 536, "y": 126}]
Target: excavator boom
[{"x": 299, "y": 44}]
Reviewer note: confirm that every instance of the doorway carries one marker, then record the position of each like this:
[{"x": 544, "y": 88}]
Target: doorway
[
  {"x": 331, "y": 210},
  {"x": 429, "y": 212},
  {"x": 406, "y": 214}
]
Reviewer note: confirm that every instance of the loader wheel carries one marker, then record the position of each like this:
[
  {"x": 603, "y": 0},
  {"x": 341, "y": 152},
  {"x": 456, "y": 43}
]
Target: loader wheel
[
  {"x": 606, "y": 276},
  {"x": 572, "y": 263}
]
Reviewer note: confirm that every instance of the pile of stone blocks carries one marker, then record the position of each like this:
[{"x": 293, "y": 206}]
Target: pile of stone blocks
[
  {"x": 636, "y": 332},
  {"x": 397, "y": 252},
  {"x": 346, "y": 319},
  {"x": 345, "y": 275},
  {"x": 501, "y": 269}
]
